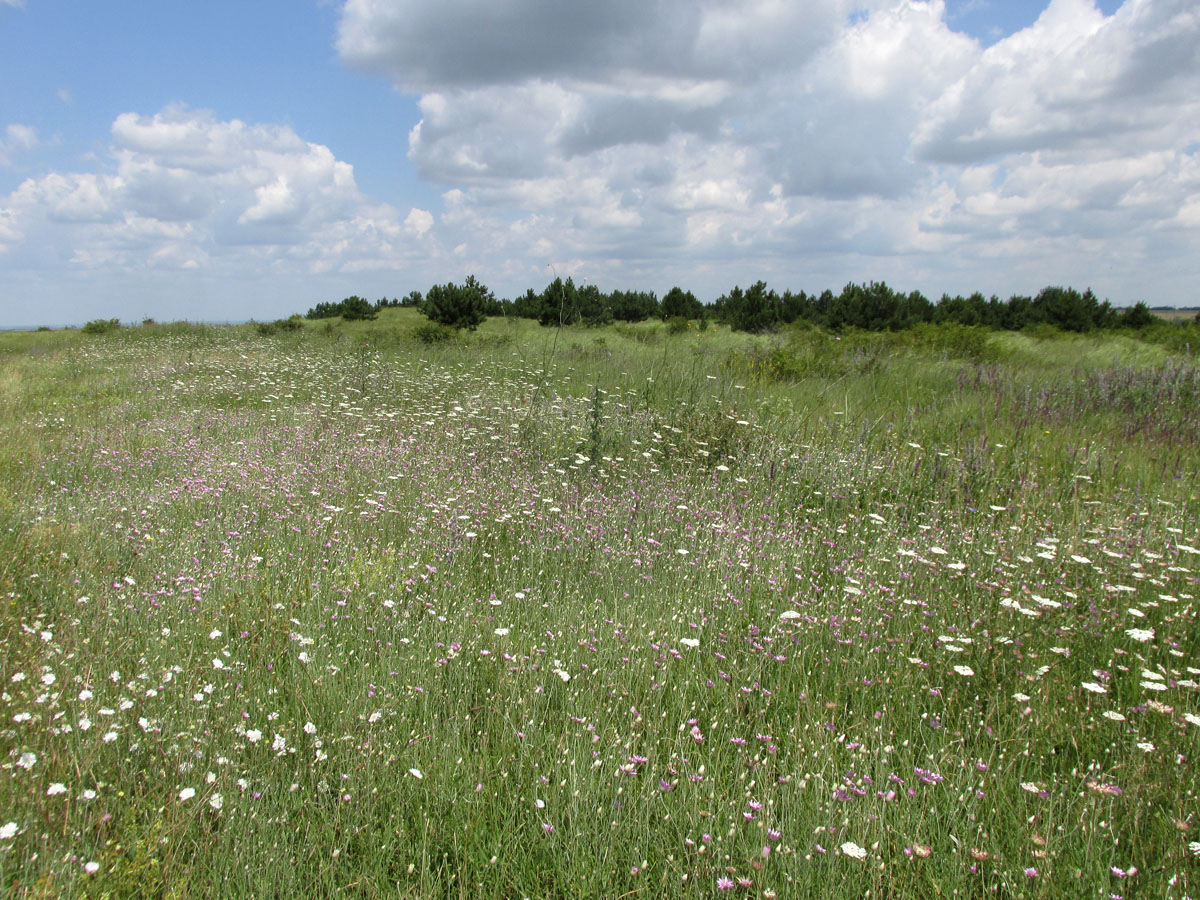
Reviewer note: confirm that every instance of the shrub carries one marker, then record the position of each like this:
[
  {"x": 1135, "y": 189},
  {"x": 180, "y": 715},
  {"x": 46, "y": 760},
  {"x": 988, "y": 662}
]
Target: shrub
[
  {"x": 676, "y": 325},
  {"x": 291, "y": 323},
  {"x": 351, "y": 309},
  {"x": 458, "y": 306},
  {"x": 101, "y": 326},
  {"x": 433, "y": 333}
]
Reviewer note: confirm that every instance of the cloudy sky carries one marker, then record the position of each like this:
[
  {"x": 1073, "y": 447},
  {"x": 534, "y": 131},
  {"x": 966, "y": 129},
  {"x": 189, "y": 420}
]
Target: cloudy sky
[{"x": 228, "y": 160}]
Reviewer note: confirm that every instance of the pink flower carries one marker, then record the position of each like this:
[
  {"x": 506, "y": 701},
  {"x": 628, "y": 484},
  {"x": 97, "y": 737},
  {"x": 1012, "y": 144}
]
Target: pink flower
[{"x": 724, "y": 884}]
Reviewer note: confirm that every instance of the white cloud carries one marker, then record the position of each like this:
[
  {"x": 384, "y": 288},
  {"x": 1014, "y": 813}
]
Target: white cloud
[
  {"x": 860, "y": 139},
  {"x": 418, "y": 221},
  {"x": 184, "y": 190},
  {"x": 1076, "y": 81},
  {"x": 17, "y": 139}
]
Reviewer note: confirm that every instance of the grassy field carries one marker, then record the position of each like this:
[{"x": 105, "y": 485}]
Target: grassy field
[{"x": 597, "y": 613}]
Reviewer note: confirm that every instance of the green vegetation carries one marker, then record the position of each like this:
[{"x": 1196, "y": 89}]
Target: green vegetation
[
  {"x": 338, "y": 608},
  {"x": 101, "y": 326}
]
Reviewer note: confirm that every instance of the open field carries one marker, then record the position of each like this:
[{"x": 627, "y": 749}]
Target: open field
[
  {"x": 1177, "y": 315},
  {"x": 598, "y": 613}
]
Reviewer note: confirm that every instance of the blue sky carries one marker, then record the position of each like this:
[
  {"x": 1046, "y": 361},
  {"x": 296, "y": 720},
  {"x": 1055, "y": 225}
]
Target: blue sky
[{"x": 222, "y": 161}]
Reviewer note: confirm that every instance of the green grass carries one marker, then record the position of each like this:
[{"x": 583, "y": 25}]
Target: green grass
[{"x": 597, "y": 613}]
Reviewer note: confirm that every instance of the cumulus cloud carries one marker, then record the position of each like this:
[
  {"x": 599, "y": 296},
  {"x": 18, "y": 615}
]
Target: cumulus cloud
[
  {"x": 182, "y": 189},
  {"x": 780, "y": 136},
  {"x": 1075, "y": 81}
]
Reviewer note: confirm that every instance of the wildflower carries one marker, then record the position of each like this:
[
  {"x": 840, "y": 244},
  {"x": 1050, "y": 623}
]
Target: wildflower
[
  {"x": 91, "y": 867},
  {"x": 1140, "y": 634},
  {"x": 187, "y": 794},
  {"x": 216, "y": 801},
  {"x": 965, "y": 671},
  {"x": 8, "y": 831},
  {"x": 724, "y": 883},
  {"x": 57, "y": 788},
  {"x": 416, "y": 773},
  {"x": 27, "y": 760},
  {"x": 1094, "y": 687},
  {"x": 254, "y": 735},
  {"x": 852, "y": 849}
]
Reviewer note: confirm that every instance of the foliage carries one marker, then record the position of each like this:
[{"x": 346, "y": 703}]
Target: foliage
[
  {"x": 676, "y": 325},
  {"x": 101, "y": 326},
  {"x": 680, "y": 303},
  {"x": 458, "y": 306},
  {"x": 353, "y": 308},
  {"x": 290, "y": 324},
  {"x": 434, "y": 333}
]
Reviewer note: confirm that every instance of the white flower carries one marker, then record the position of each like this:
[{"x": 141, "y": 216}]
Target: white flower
[
  {"x": 48, "y": 679},
  {"x": 27, "y": 760},
  {"x": 187, "y": 793},
  {"x": 109, "y": 737},
  {"x": 965, "y": 671},
  {"x": 1140, "y": 634},
  {"x": 214, "y": 634},
  {"x": 8, "y": 831},
  {"x": 789, "y": 614},
  {"x": 852, "y": 849},
  {"x": 1113, "y": 714},
  {"x": 91, "y": 867},
  {"x": 254, "y": 735},
  {"x": 690, "y": 642},
  {"x": 1191, "y": 718},
  {"x": 310, "y": 728},
  {"x": 218, "y": 663},
  {"x": 1094, "y": 687},
  {"x": 303, "y": 657},
  {"x": 57, "y": 788},
  {"x": 501, "y": 632},
  {"x": 415, "y": 773},
  {"x": 216, "y": 801},
  {"x": 563, "y": 674}
]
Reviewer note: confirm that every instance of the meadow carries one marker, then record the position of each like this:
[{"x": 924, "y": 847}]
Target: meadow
[{"x": 598, "y": 613}]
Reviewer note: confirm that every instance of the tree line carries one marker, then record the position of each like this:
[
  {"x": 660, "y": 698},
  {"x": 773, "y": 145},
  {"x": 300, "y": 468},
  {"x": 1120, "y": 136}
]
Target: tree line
[{"x": 871, "y": 306}]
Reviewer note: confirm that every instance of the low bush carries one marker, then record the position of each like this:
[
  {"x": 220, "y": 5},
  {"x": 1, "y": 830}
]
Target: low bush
[
  {"x": 433, "y": 333},
  {"x": 101, "y": 326}
]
